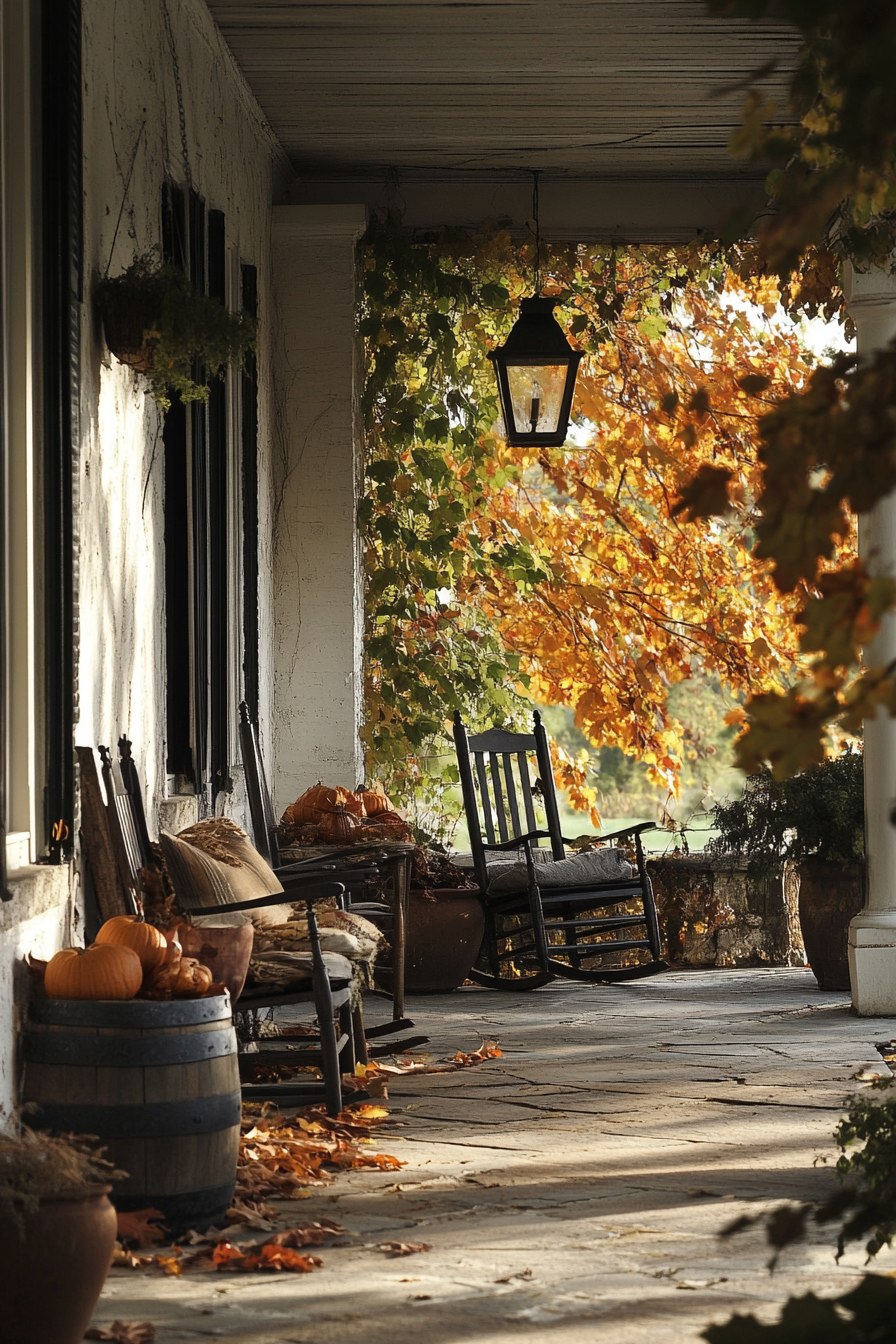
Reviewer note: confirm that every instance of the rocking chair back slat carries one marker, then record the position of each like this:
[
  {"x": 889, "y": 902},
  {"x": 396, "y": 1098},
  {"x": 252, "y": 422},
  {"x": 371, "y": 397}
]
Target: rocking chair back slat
[
  {"x": 500, "y": 811},
  {"x": 531, "y": 824},
  {"x": 512, "y": 795},
  {"x": 487, "y": 814},
  {"x": 261, "y": 810},
  {"x": 130, "y": 782}
]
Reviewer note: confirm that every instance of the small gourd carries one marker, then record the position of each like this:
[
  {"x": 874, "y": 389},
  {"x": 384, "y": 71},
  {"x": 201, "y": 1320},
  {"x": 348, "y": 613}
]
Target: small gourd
[
  {"x": 103, "y": 971},
  {"x": 131, "y": 931},
  {"x": 374, "y": 802},
  {"x": 185, "y": 978}
]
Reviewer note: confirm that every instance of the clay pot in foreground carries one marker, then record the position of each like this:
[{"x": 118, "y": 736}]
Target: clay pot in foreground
[
  {"x": 831, "y": 894},
  {"x": 51, "y": 1279}
]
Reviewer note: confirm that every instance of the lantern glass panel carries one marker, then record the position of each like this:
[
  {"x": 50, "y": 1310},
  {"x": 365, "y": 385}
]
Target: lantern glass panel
[{"x": 536, "y": 395}]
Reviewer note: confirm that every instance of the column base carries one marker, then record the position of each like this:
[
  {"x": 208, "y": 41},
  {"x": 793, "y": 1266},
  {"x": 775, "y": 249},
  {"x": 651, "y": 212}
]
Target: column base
[{"x": 872, "y": 963}]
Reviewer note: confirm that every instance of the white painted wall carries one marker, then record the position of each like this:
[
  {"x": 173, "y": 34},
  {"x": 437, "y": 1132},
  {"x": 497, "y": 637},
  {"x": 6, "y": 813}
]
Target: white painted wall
[
  {"x": 318, "y": 610},
  {"x": 162, "y": 97}
]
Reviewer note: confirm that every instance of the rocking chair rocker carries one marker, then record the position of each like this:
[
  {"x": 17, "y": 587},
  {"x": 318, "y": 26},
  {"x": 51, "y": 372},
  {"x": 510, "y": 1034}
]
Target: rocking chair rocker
[{"x": 548, "y": 916}]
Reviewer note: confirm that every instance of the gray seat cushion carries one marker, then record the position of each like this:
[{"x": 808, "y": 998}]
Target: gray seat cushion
[
  {"x": 500, "y": 861},
  {"x": 598, "y": 865}
]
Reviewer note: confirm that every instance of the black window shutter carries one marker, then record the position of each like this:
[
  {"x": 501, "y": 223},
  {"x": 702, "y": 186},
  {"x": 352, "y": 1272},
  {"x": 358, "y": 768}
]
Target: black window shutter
[
  {"x": 199, "y": 517},
  {"x": 179, "y": 755},
  {"x": 249, "y": 430},
  {"x": 61, "y": 261},
  {"x": 218, "y": 569}
]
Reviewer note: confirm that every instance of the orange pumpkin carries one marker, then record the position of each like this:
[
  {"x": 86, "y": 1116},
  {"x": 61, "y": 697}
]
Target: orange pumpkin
[
  {"x": 319, "y": 800},
  {"x": 104, "y": 971},
  {"x": 339, "y": 825},
  {"x": 130, "y": 931},
  {"x": 374, "y": 802}
]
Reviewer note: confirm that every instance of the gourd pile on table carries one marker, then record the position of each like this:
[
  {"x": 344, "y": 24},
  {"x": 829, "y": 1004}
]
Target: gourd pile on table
[
  {"x": 324, "y": 815},
  {"x": 129, "y": 959}
]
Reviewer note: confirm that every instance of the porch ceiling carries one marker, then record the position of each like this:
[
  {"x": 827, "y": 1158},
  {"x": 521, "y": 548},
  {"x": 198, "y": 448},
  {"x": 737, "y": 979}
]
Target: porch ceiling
[{"x": 483, "y": 91}]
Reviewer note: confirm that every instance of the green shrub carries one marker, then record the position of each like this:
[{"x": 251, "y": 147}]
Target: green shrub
[{"x": 817, "y": 814}]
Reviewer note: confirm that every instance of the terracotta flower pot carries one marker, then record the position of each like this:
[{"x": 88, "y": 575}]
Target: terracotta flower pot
[
  {"x": 51, "y": 1278},
  {"x": 443, "y": 940},
  {"x": 223, "y": 943},
  {"x": 830, "y": 895},
  {"x": 126, "y": 316}
]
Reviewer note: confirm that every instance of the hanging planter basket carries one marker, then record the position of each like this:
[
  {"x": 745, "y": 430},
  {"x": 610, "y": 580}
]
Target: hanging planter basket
[
  {"x": 127, "y": 317},
  {"x": 158, "y": 325}
]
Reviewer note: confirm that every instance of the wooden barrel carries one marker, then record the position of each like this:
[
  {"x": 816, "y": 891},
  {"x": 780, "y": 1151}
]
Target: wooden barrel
[{"x": 157, "y": 1082}]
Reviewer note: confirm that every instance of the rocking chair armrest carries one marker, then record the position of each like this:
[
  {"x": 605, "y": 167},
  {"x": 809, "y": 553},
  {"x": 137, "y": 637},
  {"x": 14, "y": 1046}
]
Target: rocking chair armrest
[
  {"x": 310, "y": 894},
  {"x": 292, "y": 875},
  {"x": 520, "y": 841},
  {"x": 629, "y": 830}
]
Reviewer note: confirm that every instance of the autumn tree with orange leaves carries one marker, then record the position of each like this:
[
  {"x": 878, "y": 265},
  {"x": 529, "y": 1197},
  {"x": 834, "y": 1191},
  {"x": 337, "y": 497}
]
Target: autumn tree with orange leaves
[{"x": 575, "y": 577}]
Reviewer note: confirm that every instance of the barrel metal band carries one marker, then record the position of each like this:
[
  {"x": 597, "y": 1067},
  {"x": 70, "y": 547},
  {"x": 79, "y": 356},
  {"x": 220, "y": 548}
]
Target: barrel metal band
[
  {"x": 160, "y": 1119},
  {"x": 126, "y": 1051},
  {"x": 123, "y": 1015}
]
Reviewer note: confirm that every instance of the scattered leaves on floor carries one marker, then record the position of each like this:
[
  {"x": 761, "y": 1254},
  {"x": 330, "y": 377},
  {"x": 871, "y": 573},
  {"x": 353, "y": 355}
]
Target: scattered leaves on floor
[
  {"x": 214, "y": 1250},
  {"x": 395, "y": 1249},
  {"x": 279, "y": 1157},
  {"x": 270, "y": 1256},
  {"x": 125, "y": 1332},
  {"x": 146, "y": 1227}
]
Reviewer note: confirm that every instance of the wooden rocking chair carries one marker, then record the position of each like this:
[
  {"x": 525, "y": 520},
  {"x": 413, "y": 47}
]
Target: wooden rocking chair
[
  {"x": 332, "y": 867},
  {"x": 545, "y": 923}
]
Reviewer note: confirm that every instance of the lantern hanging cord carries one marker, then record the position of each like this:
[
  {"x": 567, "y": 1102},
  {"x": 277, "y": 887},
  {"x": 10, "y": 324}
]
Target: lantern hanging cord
[{"x": 535, "y": 176}]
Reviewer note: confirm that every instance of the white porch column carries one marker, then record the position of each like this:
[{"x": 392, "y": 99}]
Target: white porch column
[
  {"x": 872, "y": 934},
  {"x": 317, "y": 595}
]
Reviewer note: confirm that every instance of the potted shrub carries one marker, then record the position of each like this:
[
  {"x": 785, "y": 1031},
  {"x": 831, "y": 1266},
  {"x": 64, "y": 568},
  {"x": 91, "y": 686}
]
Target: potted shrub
[
  {"x": 57, "y": 1234},
  {"x": 156, "y": 323},
  {"x": 817, "y": 821}
]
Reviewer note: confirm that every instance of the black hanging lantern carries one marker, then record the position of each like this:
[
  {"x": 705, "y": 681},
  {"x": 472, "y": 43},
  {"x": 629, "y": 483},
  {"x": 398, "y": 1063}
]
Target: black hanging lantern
[
  {"x": 536, "y": 367},
  {"x": 536, "y": 370}
]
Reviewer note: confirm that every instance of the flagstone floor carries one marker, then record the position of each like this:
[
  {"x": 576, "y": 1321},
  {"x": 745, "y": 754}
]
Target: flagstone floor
[{"x": 575, "y": 1186}]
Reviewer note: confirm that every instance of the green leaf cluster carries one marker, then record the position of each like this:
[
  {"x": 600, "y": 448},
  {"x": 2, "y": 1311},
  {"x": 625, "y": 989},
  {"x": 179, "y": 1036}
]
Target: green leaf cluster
[
  {"x": 872, "y": 1123},
  {"x": 819, "y": 813},
  {"x": 836, "y": 141},
  {"x": 863, "y": 1316},
  {"x": 192, "y": 338}
]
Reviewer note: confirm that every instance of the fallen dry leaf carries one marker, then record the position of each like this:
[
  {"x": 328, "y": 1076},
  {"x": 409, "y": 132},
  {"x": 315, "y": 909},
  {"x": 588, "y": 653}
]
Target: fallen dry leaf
[
  {"x": 129, "y": 1259},
  {"x": 139, "y": 1227},
  {"x": 194, "y": 1238},
  {"x": 170, "y": 1264},
  {"x": 125, "y": 1332},
  {"x": 257, "y": 1214},
  {"x": 395, "y": 1249},
  {"x": 309, "y": 1234}
]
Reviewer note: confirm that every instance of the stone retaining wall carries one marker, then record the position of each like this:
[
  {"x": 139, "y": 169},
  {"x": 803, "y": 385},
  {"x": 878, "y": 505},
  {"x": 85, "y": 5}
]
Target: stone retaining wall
[{"x": 713, "y": 914}]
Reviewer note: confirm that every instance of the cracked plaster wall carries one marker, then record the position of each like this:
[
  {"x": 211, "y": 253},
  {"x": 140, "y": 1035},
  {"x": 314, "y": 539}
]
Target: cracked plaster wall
[{"x": 163, "y": 67}]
